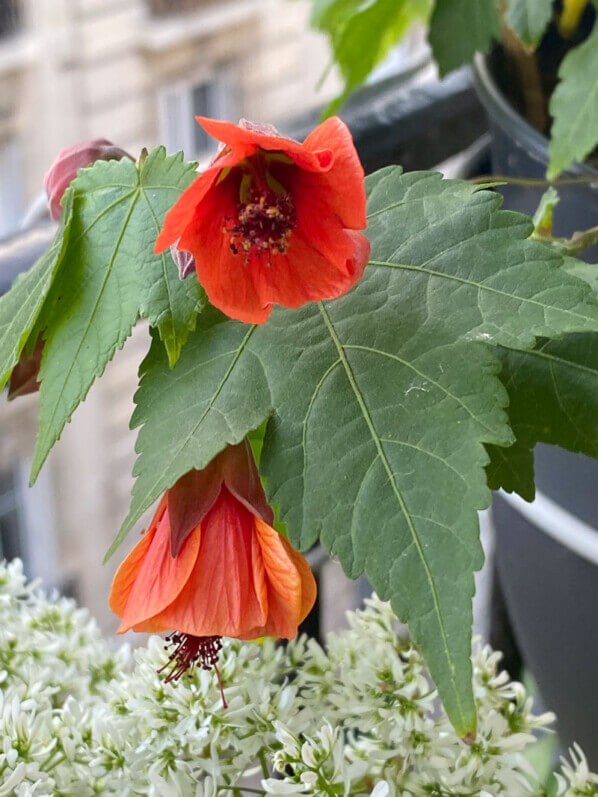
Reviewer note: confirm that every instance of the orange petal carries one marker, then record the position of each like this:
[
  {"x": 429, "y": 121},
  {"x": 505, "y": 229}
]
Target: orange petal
[
  {"x": 291, "y": 585},
  {"x": 225, "y": 594},
  {"x": 127, "y": 573},
  {"x": 181, "y": 214},
  {"x": 161, "y": 576},
  {"x": 302, "y": 275},
  {"x": 343, "y": 185},
  {"x": 245, "y": 140},
  {"x": 224, "y": 276}
]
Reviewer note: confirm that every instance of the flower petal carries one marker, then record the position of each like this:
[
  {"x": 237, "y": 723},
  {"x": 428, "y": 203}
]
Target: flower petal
[
  {"x": 127, "y": 573},
  {"x": 181, "y": 214},
  {"x": 225, "y": 594},
  {"x": 303, "y": 274},
  {"x": 291, "y": 585},
  {"x": 225, "y": 277},
  {"x": 160, "y": 578},
  {"x": 342, "y": 186},
  {"x": 245, "y": 139}
]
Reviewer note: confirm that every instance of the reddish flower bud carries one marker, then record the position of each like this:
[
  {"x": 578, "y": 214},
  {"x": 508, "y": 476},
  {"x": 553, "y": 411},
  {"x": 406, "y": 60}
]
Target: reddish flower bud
[
  {"x": 272, "y": 221},
  {"x": 23, "y": 379},
  {"x": 70, "y": 160},
  {"x": 184, "y": 261},
  {"x": 211, "y": 565}
]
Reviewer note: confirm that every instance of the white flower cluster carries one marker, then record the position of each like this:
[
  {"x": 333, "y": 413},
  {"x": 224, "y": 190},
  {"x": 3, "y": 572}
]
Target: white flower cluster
[{"x": 77, "y": 718}]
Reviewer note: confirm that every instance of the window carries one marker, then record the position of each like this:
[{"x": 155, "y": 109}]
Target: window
[
  {"x": 27, "y": 522},
  {"x": 11, "y": 538},
  {"x": 179, "y": 105},
  {"x": 10, "y": 17},
  {"x": 12, "y": 205}
]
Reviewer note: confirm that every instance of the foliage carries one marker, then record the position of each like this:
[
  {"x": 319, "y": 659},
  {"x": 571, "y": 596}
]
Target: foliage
[
  {"x": 376, "y": 438},
  {"x": 358, "y": 717},
  {"x": 362, "y": 33},
  {"x": 529, "y": 19},
  {"x": 382, "y": 406},
  {"x": 574, "y": 106},
  {"x": 108, "y": 277},
  {"x": 378, "y": 24},
  {"x": 455, "y": 43},
  {"x": 552, "y": 399}
]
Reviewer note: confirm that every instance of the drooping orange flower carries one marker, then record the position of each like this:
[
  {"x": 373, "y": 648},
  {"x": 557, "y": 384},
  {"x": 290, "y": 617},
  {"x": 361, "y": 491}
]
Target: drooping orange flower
[
  {"x": 211, "y": 565},
  {"x": 272, "y": 221}
]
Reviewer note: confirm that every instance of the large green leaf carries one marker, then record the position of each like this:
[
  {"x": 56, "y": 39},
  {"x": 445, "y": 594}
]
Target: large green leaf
[
  {"x": 215, "y": 395},
  {"x": 383, "y": 401},
  {"x": 460, "y": 28},
  {"x": 376, "y": 450},
  {"x": 109, "y": 276},
  {"x": 574, "y": 107},
  {"x": 21, "y": 306},
  {"x": 362, "y": 32},
  {"x": 529, "y": 19}
]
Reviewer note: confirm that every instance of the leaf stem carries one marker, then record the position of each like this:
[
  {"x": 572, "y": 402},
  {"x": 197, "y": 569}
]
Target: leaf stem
[
  {"x": 532, "y": 182},
  {"x": 579, "y": 241}
]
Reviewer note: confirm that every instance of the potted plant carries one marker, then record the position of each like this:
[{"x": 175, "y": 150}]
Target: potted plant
[
  {"x": 536, "y": 72},
  {"x": 323, "y": 364}
]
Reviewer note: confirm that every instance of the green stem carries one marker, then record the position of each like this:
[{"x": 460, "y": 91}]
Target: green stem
[
  {"x": 579, "y": 241},
  {"x": 325, "y": 786},
  {"x": 531, "y": 181},
  {"x": 264, "y": 763}
]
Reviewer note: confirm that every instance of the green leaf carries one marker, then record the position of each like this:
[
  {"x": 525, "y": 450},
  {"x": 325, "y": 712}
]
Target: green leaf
[
  {"x": 512, "y": 469},
  {"x": 529, "y": 19},
  {"x": 375, "y": 449},
  {"x": 362, "y": 32},
  {"x": 383, "y": 401},
  {"x": 483, "y": 276},
  {"x": 574, "y": 107},
  {"x": 109, "y": 277},
  {"x": 553, "y": 398},
  {"x": 460, "y": 28},
  {"x": 21, "y": 306},
  {"x": 215, "y": 395}
]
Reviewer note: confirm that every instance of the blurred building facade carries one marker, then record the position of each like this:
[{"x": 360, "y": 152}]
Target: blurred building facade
[{"x": 136, "y": 72}]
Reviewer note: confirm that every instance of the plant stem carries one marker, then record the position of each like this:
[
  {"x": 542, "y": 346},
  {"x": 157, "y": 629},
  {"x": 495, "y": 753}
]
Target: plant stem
[
  {"x": 264, "y": 763},
  {"x": 579, "y": 241},
  {"x": 532, "y": 182}
]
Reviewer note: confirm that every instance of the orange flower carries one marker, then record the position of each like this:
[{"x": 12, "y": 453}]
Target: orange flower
[
  {"x": 272, "y": 221},
  {"x": 211, "y": 565}
]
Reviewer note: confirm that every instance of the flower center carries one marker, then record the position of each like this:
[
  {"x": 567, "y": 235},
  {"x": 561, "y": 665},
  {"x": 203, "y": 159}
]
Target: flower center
[
  {"x": 190, "y": 651},
  {"x": 263, "y": 225}
]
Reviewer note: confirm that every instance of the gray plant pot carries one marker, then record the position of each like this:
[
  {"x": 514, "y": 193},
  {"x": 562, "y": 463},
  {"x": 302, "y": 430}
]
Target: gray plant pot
[
  {"x": 547, "y": 552},
  {"x": 519, "y": 150}
]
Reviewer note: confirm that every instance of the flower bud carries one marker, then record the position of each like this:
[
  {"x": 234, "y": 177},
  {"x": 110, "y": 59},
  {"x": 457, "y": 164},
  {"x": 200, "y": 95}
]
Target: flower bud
[
  {"x": 23, "y": 379},
  {"x": 70, "y": 160}
]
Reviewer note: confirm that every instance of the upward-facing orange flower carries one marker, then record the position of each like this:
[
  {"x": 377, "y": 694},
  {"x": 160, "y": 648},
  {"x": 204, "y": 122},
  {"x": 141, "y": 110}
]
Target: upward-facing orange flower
[
  {"x": 272, "y": 221},
  {"x": 211, "y": 565}
]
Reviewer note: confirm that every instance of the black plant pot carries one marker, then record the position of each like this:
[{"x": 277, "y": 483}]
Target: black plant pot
[
  {"x": 547, "y": 552},
  {"x": 519, "y": 150}
]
